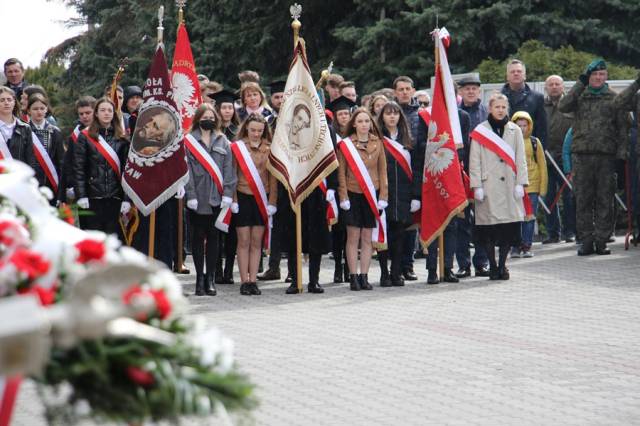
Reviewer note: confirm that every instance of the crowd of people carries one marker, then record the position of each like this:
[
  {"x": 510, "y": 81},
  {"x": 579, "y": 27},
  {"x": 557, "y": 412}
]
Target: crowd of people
[{"x": 564, "y": 151}]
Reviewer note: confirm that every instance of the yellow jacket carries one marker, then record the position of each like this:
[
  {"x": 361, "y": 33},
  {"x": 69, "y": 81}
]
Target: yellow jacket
[{"x": 536, "y": 166}]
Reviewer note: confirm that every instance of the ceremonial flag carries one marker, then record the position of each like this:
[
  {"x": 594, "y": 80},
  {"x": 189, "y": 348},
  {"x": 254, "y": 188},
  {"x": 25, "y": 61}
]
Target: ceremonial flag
[
  {"x": 184, "y": 79},
  {"x": 302, "y": 153},
  {"x": 156, "y": 166},
  {"x": 443, "y": 194}
]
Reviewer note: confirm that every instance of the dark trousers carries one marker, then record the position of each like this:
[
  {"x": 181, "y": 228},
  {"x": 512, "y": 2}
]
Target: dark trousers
[
  {"x": 409, "y": 248},
  {"x": 567, "y": 228},
  {"x": 204, "y": 241},
  {"x": 227, "y": 244},
  {"x": 395, "y": 249},
  {"x": 103, "y": 215},
  {"x": 339, "y": 241},
  {"x": 164, "y": 236},
  {"x": 464, "y": 238},
  {"x": 449, "y": 248}
]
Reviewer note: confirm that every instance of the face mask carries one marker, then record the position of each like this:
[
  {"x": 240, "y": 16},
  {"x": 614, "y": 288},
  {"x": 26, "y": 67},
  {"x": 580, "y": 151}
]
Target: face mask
[{"x": 207, "y": 124}]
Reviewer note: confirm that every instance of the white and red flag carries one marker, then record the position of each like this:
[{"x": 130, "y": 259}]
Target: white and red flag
[
  {"x": 443, "y": 194},
  {"x": 184, "y": 79}
]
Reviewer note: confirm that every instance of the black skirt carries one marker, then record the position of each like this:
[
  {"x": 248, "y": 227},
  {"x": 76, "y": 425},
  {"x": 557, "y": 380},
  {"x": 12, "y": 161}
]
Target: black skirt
[
  {"x": 360, "y": 214},
  {"x": 501, "y": 234},
  {"x": 249, "y": 214}
]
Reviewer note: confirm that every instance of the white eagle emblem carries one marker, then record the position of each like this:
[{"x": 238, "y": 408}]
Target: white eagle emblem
[
  {"x": 437, "y": 157},
  {"x": 183, "y": 92}
]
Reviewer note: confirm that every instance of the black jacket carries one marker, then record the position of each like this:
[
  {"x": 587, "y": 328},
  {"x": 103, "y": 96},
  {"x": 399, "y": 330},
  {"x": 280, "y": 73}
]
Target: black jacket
[
  {"x": 94, "y": 177},
  {"x": 532, "y": 102},
  {"x": 400, "y": 193},
  {"x": 21, "y": 145},
  {"x": 67, "y": 179},
  {"x": 55, "y": 149}
]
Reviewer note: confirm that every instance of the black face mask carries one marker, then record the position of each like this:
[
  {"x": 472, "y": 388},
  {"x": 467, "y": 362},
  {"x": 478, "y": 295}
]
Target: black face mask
[{"x": 207, "y": 124}]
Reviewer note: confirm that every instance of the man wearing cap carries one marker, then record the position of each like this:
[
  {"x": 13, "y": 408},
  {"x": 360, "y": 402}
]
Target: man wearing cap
[
  {"x": 131, "y": 103},
  {"x": 469, "y": 90},
  {"x": 600, "y": 136}
]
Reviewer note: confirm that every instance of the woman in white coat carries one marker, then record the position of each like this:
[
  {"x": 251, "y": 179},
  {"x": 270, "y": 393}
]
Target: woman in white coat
[{"x": 498, "y": 172}]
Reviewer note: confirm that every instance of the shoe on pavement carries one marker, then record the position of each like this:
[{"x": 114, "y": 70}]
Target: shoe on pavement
[
  {"x": 449, "y": 276},
  {"x": 432, "y": 278},
  {"x": 269, "y": 275},
  {"x": 515, "y": 252},
  {"x": 409, "y": 275},
  {"x": 527, "y": 253},
  {"x": 315, "y": 288},
  {"x": 464, "y": 272},
  {"x": 586, "y": 249},
  {"x": 601, "y": 249},
  {"x": 483, "y": 271}
]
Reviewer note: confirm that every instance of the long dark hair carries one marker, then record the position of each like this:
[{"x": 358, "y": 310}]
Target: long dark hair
[
  {"x": 403, "y": 127},
  {"x": 351, "y": 127},
  {"x": 200, "y": 112},
  {"x": 244, "y": 129},
  {"x": 115, "y": 121}
]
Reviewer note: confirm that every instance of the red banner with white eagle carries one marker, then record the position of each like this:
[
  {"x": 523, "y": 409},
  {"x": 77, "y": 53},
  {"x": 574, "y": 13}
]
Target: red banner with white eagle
[
  {"x": 184, "y": 79},
  {"x": 443, "y": 194}
]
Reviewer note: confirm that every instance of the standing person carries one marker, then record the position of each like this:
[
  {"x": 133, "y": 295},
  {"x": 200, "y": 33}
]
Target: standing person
[
  {"x": 348, "y": 90},
  {"x": 600, "y": 136},
  {"x": 537, "y": 173},
  {"x": 523, "y": 98},
  {"x": 276, "y": 88},
  {"x": 360, "y": 219},
  {"x": 50, "y": 138},
  {"x": 398, "y": 147},
  {"x": 84, "y": 110},
  {"x": 253, "y": 101},
  {"x": 255, "y": 197},
  {"x": 341, "y": 108},
  {"x": 424, "y": 100},
  {"x": 469, "y": 89},
  {"x": 228, "y": 242},
  {"x": 559, "y": 125},
  {"x": 404, "y": 89},
  {"x": 204, "y": 198},
  {"x": 375, "y": 106},
  {"x": 15, "y": 136},
  {"x": 98, "y": 158},
  {"x": 498, "y": 174},
  {"x": 14, "y": 71},
  {"x": 333, "y": 86},
  {"x": 131, "y": 103}
]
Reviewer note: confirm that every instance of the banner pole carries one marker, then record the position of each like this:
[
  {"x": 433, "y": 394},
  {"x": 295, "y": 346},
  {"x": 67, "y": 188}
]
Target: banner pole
[
  {"x": 441, "y": 254},
  {"x": 152, "y": 234},
  {"x": 180, "y": 260},
  {"x": 298, "y": 213}
]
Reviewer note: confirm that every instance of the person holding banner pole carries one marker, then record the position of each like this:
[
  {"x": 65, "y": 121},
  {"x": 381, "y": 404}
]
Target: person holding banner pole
[
  {"x": 363, "y": 191},
  {"x": 15, "y": 136},
  {"x": 255, "y": 198}
]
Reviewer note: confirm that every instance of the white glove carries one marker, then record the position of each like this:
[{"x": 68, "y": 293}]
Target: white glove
[
  {"x": 125, "y": 206},
  {"x": 331, "y": 195},
  {"x": 415, "y": 206},
  {"x": 345, "y": 205},
  {"x": 518, "y": 191},
  {"x": 70, "y": 193},
  {"x": 382, "y": 204},
  {"x": 180, "y": 193},
  {"x": 271, "y": 210},
  {"x": 226, "y": 202},
  {"x": 478, "y": 194},
  {"x": 192, "y": 204},
  {"x": 235, "y": 208},
  {"x": 83, "y": 203}
]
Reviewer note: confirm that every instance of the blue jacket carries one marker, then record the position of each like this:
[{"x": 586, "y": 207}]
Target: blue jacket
[{"x": 566, "y": 152}]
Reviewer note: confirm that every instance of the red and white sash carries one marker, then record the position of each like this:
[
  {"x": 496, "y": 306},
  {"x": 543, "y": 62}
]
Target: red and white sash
[
  {"x": 359, "y": 170},
  {"x": 494, "y": 143},
  {"x": 425, "y": 114},
  {"x": 106, "y": 151},
  {"x": 223, "y": 221},
  {"x": 5, "y": 154},
  {"x": 332, "y": 206},
  {"x": 402, "y": 156},
  {"x": 204, "y": 158},
  {"x": 9, "y": 387},
  {"x": 45, "y": 162},
  {"x": 248, "y": 168},
  {"x": 75, "y": 134}
]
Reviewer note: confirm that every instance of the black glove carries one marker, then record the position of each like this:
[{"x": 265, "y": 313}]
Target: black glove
[{"x": 584, "y": 78}]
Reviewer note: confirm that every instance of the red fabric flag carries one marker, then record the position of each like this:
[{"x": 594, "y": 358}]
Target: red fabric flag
[
  {"x": 443, "y": 194},
  {"x": 184, "y": 79}
]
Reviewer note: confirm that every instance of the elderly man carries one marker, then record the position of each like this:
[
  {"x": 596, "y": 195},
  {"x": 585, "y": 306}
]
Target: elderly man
[
  {"x": 600, "y": 135},
  {"x": 523, "y": 98},
  {"x": 559, "y": 125}
]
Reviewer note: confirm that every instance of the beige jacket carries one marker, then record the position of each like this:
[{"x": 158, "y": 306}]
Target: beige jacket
[
  {"x": 374, "y": 159},
  {"x": 260, "y": 156}
]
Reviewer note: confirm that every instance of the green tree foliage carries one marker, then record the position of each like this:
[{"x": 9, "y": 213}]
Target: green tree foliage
[
  {"x": 49, "y": 74},
  {"x": 542, "y": 61}
]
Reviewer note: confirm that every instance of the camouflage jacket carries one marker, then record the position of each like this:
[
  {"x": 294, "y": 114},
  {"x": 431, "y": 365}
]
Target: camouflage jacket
[
  {"x": 559, "y": 124},
  {"x": 629, "y": 98},
  {"x": 599, "y": 127}
]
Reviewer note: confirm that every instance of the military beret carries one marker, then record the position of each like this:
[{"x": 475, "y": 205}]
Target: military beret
[
  {"x": 472, "y": 79},
  {"x": 596, "y": 65}
]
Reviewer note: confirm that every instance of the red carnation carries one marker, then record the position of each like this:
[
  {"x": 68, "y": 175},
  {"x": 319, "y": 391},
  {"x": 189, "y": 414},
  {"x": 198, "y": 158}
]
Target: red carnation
[
  {"x": 9, "y": 231},
  {"x": 29, "y": 262},
  {"x": 47, "y": 296},
  {"x": 163, "y": 306},
  {"x": 90, "y": 250},
  {"x": 140, "y": 377}
]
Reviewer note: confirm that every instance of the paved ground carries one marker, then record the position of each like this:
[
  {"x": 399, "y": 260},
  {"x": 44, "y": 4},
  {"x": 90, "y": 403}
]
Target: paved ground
[{"x": 557, "y": 344}]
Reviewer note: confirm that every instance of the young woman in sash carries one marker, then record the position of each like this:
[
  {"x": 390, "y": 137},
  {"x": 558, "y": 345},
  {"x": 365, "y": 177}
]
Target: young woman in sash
[
  {"x": 210, "y": 168},
  {"x": 50, "y": 139},
  {"x": 498, "y": 174},
  {"x": 398, "y": 145},
  {"x": 99, "y": 158},
  {"x": 15, "y": 136},
  {"x": 228, "y": 242},
  {"x": 255, "y": 197},
  {"x": 253, "y": 101},
  {"x": 366, "y": 142}
]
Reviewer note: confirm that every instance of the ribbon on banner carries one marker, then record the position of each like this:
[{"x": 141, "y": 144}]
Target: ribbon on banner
[{"x": 332, "y": 206}]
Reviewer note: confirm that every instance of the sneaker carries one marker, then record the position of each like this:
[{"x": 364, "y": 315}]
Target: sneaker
[
  {"x": 527, "y": 253},
  {"x": 515, "y": 252}
]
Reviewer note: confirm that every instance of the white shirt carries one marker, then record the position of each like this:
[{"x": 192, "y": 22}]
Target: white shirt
[{"x": 7, "y": 129}]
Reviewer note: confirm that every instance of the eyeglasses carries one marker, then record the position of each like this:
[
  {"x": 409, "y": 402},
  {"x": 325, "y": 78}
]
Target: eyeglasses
[{"x": 424, "y": 104}]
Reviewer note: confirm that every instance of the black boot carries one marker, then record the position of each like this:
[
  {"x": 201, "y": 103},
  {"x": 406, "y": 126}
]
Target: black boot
[
  {"x": 347, "y": 274},
  {"x": 397, "y": 280},
  {"x": 449, "y": 276},
  {"x": 245, "y": 289},
  {"x": 354, "y": 282},
  {"x": 314, "y": 274},
  {"x": 337, "y": 272},
  {"x": 227, "y": 276},
  {"x": 315, "y": 288},
  {"x": 432, "y": 278},
  {"x": 586, "y": 248},
  {"x": 504, "y": 273},
  {"x": 385, "y": 279},
  {"x": 199, "y": 285},
  {"x": 209, "y": 286},
  {"x": 292, "y": 289},
  {"x": 364, "y": 282},
  {"x": 253, "y": 289},
  {"x": 601, "y": 249},
  {"x": 503, "y": 253}
]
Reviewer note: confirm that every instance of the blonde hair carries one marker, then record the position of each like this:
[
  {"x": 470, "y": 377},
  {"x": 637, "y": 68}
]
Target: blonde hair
[
  {"x": 250, "y": 86},
  {"x": 497, "y": 96}
]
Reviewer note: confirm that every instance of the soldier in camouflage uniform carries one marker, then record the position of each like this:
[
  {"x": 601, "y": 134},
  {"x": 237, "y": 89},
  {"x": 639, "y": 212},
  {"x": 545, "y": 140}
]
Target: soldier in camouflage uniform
[
  {"x": 629, "y": 100},
  {"x": 600, "y": 135}
]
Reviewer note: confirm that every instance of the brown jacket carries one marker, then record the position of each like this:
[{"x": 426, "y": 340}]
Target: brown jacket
[
  {"x": 260, "y": 157},
  {"x": 374, "y": 159}
]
